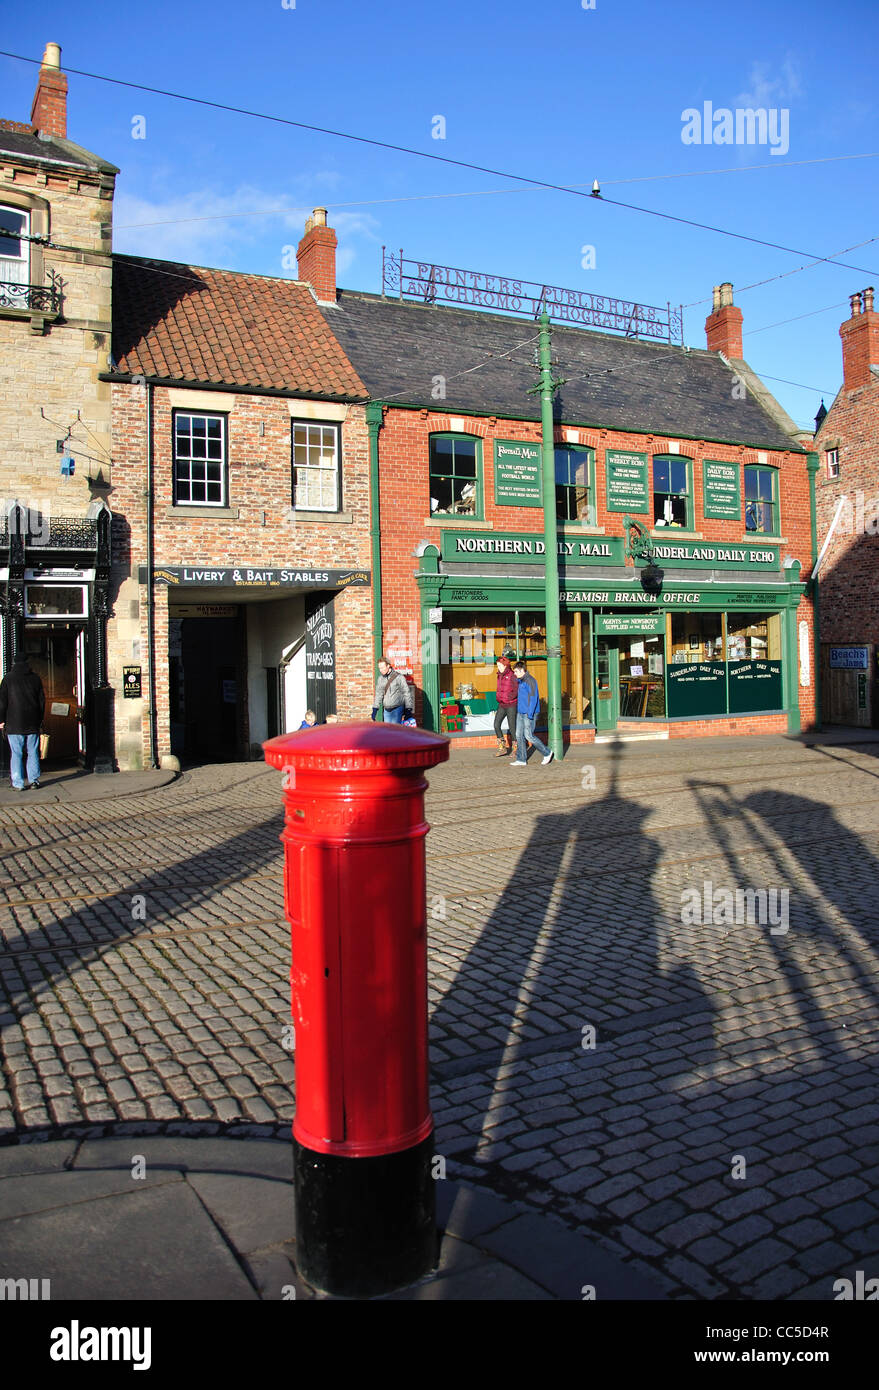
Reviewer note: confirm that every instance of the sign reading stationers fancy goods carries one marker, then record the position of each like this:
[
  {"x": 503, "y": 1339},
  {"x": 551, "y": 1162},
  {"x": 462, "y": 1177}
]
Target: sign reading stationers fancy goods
[
  {"x": 626, "y": 481},
  {"x": 722, "y": 494},
  {"x": 517, "y": 473}
]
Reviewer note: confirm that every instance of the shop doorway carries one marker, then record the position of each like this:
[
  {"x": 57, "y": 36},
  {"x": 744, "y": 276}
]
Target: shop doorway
[
  {"x": 607, "y": 683},
  {"x": 56, "y": 652},
  {"x": 207, "y": 688}
]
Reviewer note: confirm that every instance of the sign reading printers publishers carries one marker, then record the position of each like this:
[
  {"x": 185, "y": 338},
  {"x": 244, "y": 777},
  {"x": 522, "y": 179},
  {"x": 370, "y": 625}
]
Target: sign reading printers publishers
[{"x": 517, "y": 473}]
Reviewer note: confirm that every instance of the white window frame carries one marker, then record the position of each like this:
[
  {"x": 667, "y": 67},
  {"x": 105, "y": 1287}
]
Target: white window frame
[
  {"x": 325, "y": 427},
  {"x": 224, "y": 462},
  {"x": 832, "y": 457},
  {"x": 22, "y": 261}
]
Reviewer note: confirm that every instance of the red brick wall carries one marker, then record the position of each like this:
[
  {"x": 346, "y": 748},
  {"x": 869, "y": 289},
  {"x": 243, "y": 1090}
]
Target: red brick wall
[
  {"x": 259, "y": 487},
  {"x": 405, "y": 505},
  {"x": 849, "y": 575}
]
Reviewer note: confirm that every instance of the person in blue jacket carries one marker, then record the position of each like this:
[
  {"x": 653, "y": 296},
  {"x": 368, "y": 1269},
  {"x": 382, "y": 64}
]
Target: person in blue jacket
[{"x": 527, "y": 708}]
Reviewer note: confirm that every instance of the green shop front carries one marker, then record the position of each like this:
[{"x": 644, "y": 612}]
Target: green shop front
[{"x": 718, "y": 639}]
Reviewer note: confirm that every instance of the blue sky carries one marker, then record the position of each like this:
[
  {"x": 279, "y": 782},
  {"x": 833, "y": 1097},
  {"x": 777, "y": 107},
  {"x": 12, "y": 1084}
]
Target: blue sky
[{"x": 553, "y": 91}]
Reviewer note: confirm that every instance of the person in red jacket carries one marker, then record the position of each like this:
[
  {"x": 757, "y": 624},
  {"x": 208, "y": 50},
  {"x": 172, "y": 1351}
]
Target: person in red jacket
[{"x": 507, "y": 696}]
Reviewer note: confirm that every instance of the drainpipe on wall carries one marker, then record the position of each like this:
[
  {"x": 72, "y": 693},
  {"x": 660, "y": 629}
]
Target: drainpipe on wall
[
  {"x": 150, "y": 539},
  {"x": 374, "y": 416},
  {"x": 812, "y": 466}
]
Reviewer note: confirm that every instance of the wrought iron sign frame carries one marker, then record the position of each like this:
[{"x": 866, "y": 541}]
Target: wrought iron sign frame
[{"x": 425, "y": 281}]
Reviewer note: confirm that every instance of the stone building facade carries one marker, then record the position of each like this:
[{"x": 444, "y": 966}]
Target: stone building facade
[{"x": 55, "y": 436}]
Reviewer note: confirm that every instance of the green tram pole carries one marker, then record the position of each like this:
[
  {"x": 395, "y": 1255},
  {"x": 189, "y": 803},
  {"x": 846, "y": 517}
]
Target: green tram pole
[{"x": 553, "y": 625}]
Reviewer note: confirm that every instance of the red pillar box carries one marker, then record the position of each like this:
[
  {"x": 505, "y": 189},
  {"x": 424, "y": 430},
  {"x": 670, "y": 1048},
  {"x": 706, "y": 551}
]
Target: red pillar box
[{"x": 355, "y": 897}]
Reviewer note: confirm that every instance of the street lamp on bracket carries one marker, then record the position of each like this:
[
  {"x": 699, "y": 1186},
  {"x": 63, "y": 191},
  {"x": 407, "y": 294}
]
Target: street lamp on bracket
[{"x": 640, "y": 547}]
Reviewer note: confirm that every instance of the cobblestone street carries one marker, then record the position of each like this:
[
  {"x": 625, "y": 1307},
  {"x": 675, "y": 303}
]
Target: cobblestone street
[{"x": 702, "y": 1098}]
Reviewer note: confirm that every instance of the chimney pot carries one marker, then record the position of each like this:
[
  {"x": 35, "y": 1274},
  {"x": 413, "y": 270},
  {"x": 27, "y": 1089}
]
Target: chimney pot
[
  {"x": 860, "y": 341},
  {"x": 49, "y": 108},
  {"x": 316, "y": 256},
  {"x": 723, "y": 326}
]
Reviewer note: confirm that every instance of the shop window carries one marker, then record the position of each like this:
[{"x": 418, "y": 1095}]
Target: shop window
[
  {"x": 455, "y": 471},
  {"x": 574, "y": 474},
  {"x": 671, "y": 492},
  {"x": 642, "y": 682},
  {"x": 199, "y": 460},
  {"x": 54, "y": 601},
  {"x": 468, "y": 652},
  {"x": 753, "y": 646},
  {"x": 14, "y": 247},
  {"x": 832, "y": 457},
  {"x": 316, "y": 467},
  {"x": 696, "y": 671},
  {"x": 761, "y": 500}
]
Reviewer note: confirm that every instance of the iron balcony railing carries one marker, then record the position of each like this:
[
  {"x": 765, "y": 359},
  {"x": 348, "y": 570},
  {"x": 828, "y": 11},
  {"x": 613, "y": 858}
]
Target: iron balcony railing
[{"x": 41, "y": 299}]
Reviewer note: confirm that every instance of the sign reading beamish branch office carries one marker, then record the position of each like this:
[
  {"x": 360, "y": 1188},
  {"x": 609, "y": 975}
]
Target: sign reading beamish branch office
[
  {"x": 722, "y": 499},
  {"x": 251, "y": 576},
  {"x": 517, "y": 473},
  {"x": 626, "y": 481}
]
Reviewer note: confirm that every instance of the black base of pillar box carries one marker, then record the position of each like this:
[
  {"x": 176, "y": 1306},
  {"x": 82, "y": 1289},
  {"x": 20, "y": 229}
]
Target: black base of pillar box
[{"x": 364, "y": 1226}]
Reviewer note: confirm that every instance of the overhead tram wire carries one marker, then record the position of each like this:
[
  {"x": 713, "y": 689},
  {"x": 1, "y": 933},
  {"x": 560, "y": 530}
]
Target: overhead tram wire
[{"x": 437, "y": 158}]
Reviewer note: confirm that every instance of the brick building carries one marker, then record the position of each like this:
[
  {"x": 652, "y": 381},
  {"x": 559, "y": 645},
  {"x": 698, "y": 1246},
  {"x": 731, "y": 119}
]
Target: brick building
[
  {"x": 55, "y": 444},
  {"x": 847, "y": 506},
  {"x": 241, "y": 546},
  {"x": 654, "y": 442}
]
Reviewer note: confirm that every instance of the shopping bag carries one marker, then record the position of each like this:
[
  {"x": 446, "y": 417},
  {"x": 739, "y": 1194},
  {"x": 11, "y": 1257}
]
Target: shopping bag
[{"x": 44, "y": 746}]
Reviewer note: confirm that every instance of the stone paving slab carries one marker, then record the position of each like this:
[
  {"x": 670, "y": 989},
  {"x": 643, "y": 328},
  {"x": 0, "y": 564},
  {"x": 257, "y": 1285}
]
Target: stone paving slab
[
  {"x": 26, "y": 1195},
  {"x": 158, "y": 1243}
]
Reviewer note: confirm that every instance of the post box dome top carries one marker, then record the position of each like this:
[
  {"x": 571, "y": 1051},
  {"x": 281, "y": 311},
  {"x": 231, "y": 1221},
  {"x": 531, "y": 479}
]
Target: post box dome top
[{"x": 357, "y": 745}]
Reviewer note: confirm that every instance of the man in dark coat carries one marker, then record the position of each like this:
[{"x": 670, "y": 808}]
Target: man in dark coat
[{"x": 22, "y": 706}]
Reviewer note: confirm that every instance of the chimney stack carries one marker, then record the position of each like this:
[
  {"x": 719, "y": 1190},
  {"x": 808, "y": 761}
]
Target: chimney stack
[
  {"x": 316, "y": 256},
  {"x": 49, "y": 110},
  {"x": 860, "y": 341},
  {"x": 723, "y": 326}
]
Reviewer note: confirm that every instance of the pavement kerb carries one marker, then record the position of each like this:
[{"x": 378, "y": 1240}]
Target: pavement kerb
[
  {"x": 67, "y": 786},
  {"x": 60, "y": 1198}
]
